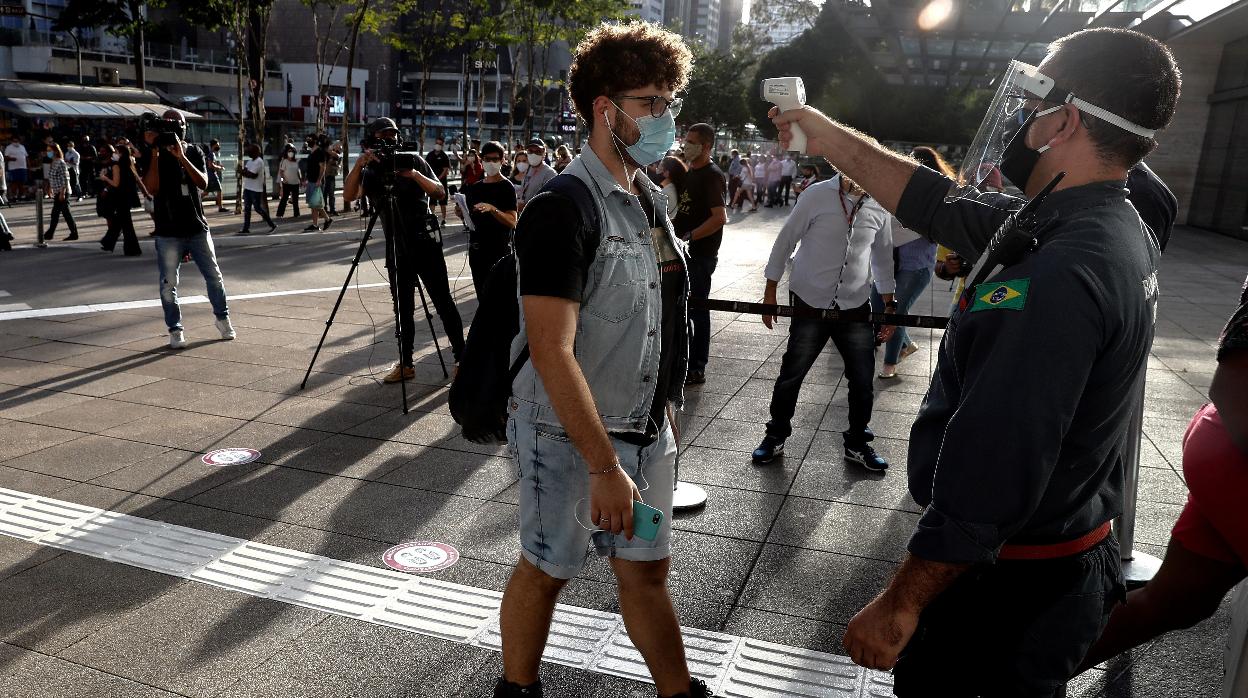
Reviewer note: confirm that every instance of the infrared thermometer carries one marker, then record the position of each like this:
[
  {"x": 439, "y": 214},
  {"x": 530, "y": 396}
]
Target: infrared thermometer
[{"x": 787, "y": 94}]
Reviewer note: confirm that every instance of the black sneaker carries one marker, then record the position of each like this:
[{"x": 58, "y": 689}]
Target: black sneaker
[
  {"x": 866, "y": 456},
  {"x": 769, "y": 450},
  {"x": 507, "y": 689},
  {"x": 695, "y": 378},
  {"x": 697, "y": 689}
]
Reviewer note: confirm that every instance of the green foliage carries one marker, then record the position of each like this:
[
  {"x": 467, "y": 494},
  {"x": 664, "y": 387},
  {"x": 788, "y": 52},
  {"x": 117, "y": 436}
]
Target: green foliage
[
  {"x": 718, "y": 90},
  {"x": 120, "y": 17}
]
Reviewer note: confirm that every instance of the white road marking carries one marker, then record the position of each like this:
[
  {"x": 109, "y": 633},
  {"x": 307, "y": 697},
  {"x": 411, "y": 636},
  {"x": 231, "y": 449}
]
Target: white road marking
[
  {"x": 26, "y": 312},
  {"x": 587, "y": 639}
]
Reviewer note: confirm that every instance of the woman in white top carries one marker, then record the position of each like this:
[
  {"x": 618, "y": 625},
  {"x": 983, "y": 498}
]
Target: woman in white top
[
  {"x": 746, "y": 190},
  {"x": 672, "y": 171},
  {"x": 289, "y": 176}
]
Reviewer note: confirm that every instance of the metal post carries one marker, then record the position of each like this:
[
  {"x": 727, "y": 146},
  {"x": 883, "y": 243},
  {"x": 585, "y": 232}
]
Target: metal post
[
  {"x": 685, "y": 495},
  {"x": 39, "y": 213},
  {"x": 1137, "y": 567}
]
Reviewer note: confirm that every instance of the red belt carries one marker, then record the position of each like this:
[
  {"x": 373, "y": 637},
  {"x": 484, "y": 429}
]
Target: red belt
[{"x": 1049, "y": 551}]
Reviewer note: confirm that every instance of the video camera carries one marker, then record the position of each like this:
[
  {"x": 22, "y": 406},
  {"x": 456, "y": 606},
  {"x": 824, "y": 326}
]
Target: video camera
[
  {"x": 168, "y": 132},
  {"x": 393, "y": 156}
]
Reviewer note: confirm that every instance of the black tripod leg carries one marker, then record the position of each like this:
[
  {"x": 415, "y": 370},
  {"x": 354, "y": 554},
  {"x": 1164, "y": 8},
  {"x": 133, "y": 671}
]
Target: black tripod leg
[
  {"x": 395, "y": 290},
  {"x": 359, "y": 252},
  {"x": 429, "y": 319}
]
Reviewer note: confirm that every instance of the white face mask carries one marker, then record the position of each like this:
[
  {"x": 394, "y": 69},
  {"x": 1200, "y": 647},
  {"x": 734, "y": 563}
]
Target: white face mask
[
  {"x": 522, "y": 166},
  {"x": 492, "y": 169},
  {"x": 116, "y": 157},
  {"x": 535, "y": 159},
  {"x": 437, "y": 147}
]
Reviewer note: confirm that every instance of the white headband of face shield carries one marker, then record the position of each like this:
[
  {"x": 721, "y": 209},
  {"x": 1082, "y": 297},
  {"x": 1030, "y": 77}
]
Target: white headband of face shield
[{"x": 1042, "y": 87}]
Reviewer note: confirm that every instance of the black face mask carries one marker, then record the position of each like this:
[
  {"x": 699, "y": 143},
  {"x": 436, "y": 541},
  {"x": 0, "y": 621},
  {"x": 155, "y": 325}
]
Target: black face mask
[{"x": 1018, "y": 161}]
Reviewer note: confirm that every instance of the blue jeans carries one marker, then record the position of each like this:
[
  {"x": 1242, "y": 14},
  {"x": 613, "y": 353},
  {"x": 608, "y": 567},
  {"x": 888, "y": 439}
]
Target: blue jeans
[
  {"x": 169, "y": 251},
  {"x": 554, "y": 491},
  {"x": 700, "y": 271},
  {"x": 807, "y": 337},
  {"x": 910, "y": 285}
]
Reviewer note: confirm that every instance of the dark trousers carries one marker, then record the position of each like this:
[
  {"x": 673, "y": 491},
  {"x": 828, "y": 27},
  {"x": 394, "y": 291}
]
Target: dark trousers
[
  {"x": 807, "y": 338},
  {"x": 1016, "y": 629},
  {"x": 786, "y": 183},
  {"x": 734, "y": 183},
  {"x": 481, "y": 259},
  {"x": 424, "y": 261},
  {"x": 121, "y": 224},
  {"x": 289, "y": 191},
  {"x": 255, "y": 200},
  {"x": 329, "y": 187},
  {"x": 74, "y": 188},
  {"x": 700, "y": 271},
  {"x": 773, "y": 193},
  {"x": 60, "y": 207}
]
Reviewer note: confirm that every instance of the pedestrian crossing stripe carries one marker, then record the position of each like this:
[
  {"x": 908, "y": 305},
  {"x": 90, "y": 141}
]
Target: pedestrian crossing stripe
[{"x": 1001, "y": 295}]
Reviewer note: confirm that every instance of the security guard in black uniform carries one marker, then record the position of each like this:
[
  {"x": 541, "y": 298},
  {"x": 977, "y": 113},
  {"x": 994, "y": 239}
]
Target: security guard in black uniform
[{"x": 1017, "y": 452}]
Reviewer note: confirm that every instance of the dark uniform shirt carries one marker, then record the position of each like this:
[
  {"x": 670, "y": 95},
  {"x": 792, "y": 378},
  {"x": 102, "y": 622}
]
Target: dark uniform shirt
[{"x": 1022, "y": 433}]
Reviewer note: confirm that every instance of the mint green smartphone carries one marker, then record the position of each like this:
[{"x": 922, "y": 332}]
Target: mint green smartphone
[{"x": 646, "y": 520}]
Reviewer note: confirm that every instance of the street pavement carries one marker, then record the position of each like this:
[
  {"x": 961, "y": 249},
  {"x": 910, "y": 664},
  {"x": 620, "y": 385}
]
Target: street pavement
[{"x": 96, "y": 411}]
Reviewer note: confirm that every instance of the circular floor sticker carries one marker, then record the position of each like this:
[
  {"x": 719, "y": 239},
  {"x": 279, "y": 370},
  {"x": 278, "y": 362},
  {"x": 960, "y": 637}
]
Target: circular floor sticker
[
  {"x": 420, "y": 557},
  {"x": 230, "y": 456}
]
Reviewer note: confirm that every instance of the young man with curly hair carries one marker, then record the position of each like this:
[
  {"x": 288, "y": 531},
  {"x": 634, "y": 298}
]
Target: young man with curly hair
[{"x": 603, "y": 314}]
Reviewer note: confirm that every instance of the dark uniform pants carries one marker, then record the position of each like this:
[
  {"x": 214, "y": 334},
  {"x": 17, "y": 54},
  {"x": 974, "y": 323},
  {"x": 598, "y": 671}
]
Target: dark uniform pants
[
  {"x": 423, "y": 259},
  {"x": 1016, "y": 629}
]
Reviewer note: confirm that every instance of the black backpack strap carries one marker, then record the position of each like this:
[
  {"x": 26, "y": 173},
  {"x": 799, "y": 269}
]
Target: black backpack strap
[{"x": 574, "y": 188}]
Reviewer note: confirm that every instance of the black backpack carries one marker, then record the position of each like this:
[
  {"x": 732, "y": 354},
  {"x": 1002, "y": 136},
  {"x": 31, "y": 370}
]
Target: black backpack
[{"x": 479, "y": 392}]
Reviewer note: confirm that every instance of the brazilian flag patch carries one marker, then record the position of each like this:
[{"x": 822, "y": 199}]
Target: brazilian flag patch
[{"x": 1001, "y": 295}]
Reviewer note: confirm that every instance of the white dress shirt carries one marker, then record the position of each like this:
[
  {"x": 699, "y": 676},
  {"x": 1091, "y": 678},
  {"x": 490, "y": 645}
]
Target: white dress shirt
[
  {"x": 835, "y": 264},
  {"x": 788, "y": 168}
]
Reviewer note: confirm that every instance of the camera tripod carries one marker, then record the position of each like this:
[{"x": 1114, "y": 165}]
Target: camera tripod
[{"x": 398, "y": 244}]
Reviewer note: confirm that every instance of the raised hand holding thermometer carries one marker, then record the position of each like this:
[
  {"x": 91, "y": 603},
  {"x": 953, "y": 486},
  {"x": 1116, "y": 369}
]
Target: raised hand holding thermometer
[{"x": 787, "y": 93}]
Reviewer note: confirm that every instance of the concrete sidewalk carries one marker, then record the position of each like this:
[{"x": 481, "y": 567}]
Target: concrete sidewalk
[{"x": 95, "y": 411}]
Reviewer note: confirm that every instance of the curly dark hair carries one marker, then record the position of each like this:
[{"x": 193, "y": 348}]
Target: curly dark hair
[{"x": 614, "y": 58}]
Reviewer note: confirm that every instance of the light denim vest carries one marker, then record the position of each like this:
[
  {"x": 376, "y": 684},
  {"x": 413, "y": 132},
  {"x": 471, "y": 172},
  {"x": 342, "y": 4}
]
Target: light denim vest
[{"x": 620, "y": 320}]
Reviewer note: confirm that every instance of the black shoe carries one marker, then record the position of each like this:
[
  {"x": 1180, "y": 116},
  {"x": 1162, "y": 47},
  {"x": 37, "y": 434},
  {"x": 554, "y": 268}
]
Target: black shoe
[
  {"x": 272, "y": 227},
  {"x": 866, "y": 456},
  {"x": 695, "y": 378},
  {"x": 770, "y": 449},
  {"x": 328, "y": 222},
  {"x": 311, "y": 229},
  {"x": 507, "y": 689},
  {"x": 244, "y": 231},
  {"x": 697, "y": 689},
  {"x": 73, "y": 236},
  {"x": 47, "y": 235}
]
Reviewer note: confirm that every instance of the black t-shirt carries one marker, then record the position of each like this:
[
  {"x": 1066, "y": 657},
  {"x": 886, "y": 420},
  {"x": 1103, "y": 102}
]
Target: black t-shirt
[
  {"x": 411, "y": 203},
  {"x": 704, "y": 189},
  {"x": 178, "y": 211},
  {"x": 489, "y": 232},
  {"x": 316, "y": 161},
  {"x": 555, "y": 255},
  {"x": 438, "y": 161}
]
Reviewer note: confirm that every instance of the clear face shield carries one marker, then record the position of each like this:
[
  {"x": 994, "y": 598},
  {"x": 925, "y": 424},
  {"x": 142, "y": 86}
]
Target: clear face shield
[{"x": 1024, "y": 93}]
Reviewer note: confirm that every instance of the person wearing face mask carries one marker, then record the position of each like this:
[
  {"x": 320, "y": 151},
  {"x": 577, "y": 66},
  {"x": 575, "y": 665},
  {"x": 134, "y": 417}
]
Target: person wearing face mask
[
  {"x": 472, "y": 171},
  {"x": 1017, "y": 453},
  {"x": 289, "y": 177},
  {"x": 700, "y": 220},
  {"x": 603, "y": 312},
  {"x": 492, "y": 208},
  {"x": 536, "y": 172},
  {"x": 116, "y": 197},
  {"x": 441, "y": 164}
]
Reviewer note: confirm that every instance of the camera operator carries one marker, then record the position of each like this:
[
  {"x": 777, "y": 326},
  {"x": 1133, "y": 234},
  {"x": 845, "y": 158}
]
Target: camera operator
[
  {"x": 1017, "y": 452},
  {"x": 412, "y": 247},
  {"x": 174, "y": 174}
]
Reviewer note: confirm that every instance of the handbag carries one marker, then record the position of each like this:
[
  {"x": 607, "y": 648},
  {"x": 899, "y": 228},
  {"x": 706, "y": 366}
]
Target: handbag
[{"x": 315, "y": 198}]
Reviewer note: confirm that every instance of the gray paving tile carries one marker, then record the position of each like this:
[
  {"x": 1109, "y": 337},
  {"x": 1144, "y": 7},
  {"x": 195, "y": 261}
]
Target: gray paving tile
[
  {"x": 279, "y": 493},
  {"x": 27, "y": 404},
  {"x": 352, "y": 456},
  {"x": 730, "y": 435},
  {"x": 21, "y": 438},
  {"x": 813, "y": 393},
  {"x": 456, "y": 472},
  {"x": 735, "y": 513},
  {"x": 33, "y": 483},
  {"x": 825, "y": 475},
  {"x": 204, "y": 633},
  {"x": 325, "y": 415},
  {"x": 785, "y": 629},
  {"x": 814, "y": 584},
  {"x": 849, "y": 529},
  {"x": 173, "y": 428},
  {"x": 175, "y": 475},
  {"x": 72, "y": 596},
  {"x": 100, "y": 383},
  {"x": 174, "y": 393},
  {"x": 93, "y": 415},
  {"x": 220, "y": 521},
  {"x": 276, "y": 443},
  {"x": 758, "y": 411},
  {"x": 57, "y": 678},
  {"x": 86, "y": 457},
  {"x": 118, "y": 501},
  {"x": 719, "y": 383},
  {"x": 390, "y": 513},
  {"x": 712, "y": 466},
  {"x": 704, "y": 404},
  {"x": 288, "y": 380}
]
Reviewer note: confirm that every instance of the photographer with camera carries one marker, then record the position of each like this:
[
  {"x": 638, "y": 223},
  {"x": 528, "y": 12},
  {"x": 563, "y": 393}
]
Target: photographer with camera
[
  {"x": 399, "y": 186},
  {"x": 174, "y": 174}
]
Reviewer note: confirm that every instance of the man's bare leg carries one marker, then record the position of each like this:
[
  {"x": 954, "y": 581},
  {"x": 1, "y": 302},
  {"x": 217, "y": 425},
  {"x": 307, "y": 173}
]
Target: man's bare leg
[
  {"x": 651, "y": 621},
  {"x": 527, "y": 609}
]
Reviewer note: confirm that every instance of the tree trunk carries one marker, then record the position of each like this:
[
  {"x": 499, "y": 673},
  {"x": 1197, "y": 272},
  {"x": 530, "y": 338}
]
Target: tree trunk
[
  {"x": 511, "y": 109},
  {"x": 240, "y": 37},
  {"x": 346, "y": 112},
  {"x": 259, "y": 16},
  {"x": 140, "y": 72},
  {"x": 528, "y": 117},
  {"x": 481, "y": 98},
  {"x": 426, "y": 69},
  {"x": 545, "y": 72},
  {"x": 463, "y": 147}
]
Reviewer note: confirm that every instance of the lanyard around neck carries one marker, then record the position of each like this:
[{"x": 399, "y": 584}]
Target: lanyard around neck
[{"x": 850, "y": 213}]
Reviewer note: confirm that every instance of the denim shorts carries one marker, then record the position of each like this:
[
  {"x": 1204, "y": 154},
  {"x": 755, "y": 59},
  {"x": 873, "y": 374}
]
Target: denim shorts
[{"x": 554, "y": 479}]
